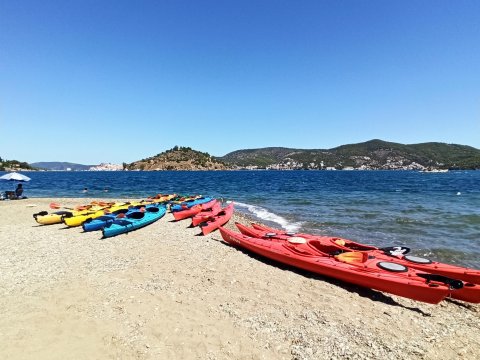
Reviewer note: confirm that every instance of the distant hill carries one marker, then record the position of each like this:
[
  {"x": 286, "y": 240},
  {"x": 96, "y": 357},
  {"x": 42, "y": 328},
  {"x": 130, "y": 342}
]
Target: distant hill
[
  {"x": 374, "y": 154},
  {"x": 370, "y": 155},
  {"x": 60, "y": 166},
  {"x": 14, "y": 165},
  {"x": 178, "y": 158}
]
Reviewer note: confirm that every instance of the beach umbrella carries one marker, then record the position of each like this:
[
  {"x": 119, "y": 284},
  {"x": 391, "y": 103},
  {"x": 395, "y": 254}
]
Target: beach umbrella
[{"x": 14, "y": 176}]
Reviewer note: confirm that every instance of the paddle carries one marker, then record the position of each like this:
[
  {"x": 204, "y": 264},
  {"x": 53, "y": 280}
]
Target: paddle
[
  {"x": 57, "y": 206},
  {"x": 453, "y": 283},
  {"x": 340, "y": 242},
  {"x": 353, "y": 256}
]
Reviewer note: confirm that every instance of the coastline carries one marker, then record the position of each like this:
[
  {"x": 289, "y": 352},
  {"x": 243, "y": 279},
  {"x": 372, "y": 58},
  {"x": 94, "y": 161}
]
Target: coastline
[{"x": 163, "y": 292}]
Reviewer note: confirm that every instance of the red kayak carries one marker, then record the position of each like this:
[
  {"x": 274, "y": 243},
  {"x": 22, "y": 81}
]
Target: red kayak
[
  {"x": 353, "y": 267},
  {"x": 453, "y": 271},
  {"x": 470, "y": 291},
  {"x": 195, "y": 209},
  {"x": 204, "y": 215},
  {"x": 215, "y": 221}
]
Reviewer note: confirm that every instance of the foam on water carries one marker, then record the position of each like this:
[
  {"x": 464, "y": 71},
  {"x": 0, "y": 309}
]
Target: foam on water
[{"x": 266, "y": 215}]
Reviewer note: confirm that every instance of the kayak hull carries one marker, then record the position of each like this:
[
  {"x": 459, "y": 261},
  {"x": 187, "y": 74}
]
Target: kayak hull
[
  {"x": 470, "y": 291},
  {"x": 204, "y": 215},
  {"x": 220, "y": 219},
  {"x": 366, "y": 274},
  {"x": 78, "y": 220},
  {"x": 133, "y": 221},
  {"x": 49, "y": 219},
  {"x": 188, "y": 204},
  {"x": 456, "y": 272},
  {"x": 195, "y": 209}
]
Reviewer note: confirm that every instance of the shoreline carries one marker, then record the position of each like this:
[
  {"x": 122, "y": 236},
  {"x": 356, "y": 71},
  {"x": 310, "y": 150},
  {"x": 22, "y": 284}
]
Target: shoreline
[{"x": 163, "y": 292}]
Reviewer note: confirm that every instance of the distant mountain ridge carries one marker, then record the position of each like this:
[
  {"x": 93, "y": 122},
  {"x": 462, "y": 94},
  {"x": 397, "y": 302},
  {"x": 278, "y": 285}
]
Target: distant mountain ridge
[
  {"x": 60, "y": 166},
  {"x": 370, "y": 155},
  {"x": 373, "y": 154}
]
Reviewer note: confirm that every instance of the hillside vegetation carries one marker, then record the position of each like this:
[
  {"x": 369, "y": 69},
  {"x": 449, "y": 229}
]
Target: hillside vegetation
[
  {"x": 370, "y": 155},
  {"x": 374, "y": 154},
  {"x": 14, "y": 165},
  {"x": 178, "y": 158}
]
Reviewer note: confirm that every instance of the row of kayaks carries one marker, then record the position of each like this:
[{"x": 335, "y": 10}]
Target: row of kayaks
[
  {"x": 208, "y": 215},
  {"x": 390, "y": 269},
  {"x": 76, "y": 216},
  {"x": 119, "y": 218}
]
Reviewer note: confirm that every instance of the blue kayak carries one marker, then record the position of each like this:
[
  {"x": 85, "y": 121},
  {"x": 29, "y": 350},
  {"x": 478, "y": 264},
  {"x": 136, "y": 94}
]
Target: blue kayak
[
  {"x": 188, "y": 204},
  {"x": 133, "y": 220},
  {"x": 104, "y": 220}
]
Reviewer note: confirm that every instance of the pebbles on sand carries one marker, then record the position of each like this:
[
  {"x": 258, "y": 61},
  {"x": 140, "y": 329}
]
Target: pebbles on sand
[{"x": 163, "y": 292}]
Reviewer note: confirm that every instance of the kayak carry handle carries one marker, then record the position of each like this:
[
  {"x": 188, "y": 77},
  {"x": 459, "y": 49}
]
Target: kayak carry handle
[
  {"x": 67, "y": 215},
  {"x": 41, "y": 213}
]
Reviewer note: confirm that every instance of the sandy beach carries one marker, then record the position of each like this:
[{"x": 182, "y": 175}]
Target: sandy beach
[{"x": 163, "y": 292}]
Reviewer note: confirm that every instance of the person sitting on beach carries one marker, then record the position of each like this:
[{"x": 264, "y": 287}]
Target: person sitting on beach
[
  {"x": 15, "y": 195},
  {"x": 19, "y": 191}
]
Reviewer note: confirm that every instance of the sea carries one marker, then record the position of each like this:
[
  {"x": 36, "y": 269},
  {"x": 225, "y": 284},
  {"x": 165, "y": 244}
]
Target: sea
[{"x": 437, "y": 215}]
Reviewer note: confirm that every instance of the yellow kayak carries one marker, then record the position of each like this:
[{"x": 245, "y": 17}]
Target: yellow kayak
[
  {"x": 77, "y": 220},
  {"x": 45, "y": 218}
]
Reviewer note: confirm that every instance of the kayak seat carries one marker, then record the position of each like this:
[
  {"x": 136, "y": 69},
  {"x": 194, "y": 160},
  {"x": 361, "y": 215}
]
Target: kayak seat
[
  {"x": 323, "y": 248},
  {"x": 305, "y": 249},
  {"x": 299, "y": 249},
  {"x": 121, "y": 211},
  {"x": 136, "y": 215}
]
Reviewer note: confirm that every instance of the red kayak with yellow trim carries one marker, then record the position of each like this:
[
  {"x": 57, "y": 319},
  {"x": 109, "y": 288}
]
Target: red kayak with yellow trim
[
  {"x": 470, "y": 291},
  {"x": 457, "y": 272},
  {"x": 353, "y": 267}
]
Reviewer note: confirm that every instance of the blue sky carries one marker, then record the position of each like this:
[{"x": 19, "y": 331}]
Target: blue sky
[{"x": 116, "y": 81}]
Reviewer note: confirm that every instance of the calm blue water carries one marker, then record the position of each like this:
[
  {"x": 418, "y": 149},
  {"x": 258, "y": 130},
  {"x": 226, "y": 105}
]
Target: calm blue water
[{"x": 438, "y": 214}]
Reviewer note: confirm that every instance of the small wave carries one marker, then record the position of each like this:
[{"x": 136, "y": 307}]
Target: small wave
[
  {"x": 266, "y": 215},
  {"x": 450, "y": 256},
  {"x": 472, "y": 219},
  {"x": 300, "y": 202},
  {"x": 408, "y": 220}
]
